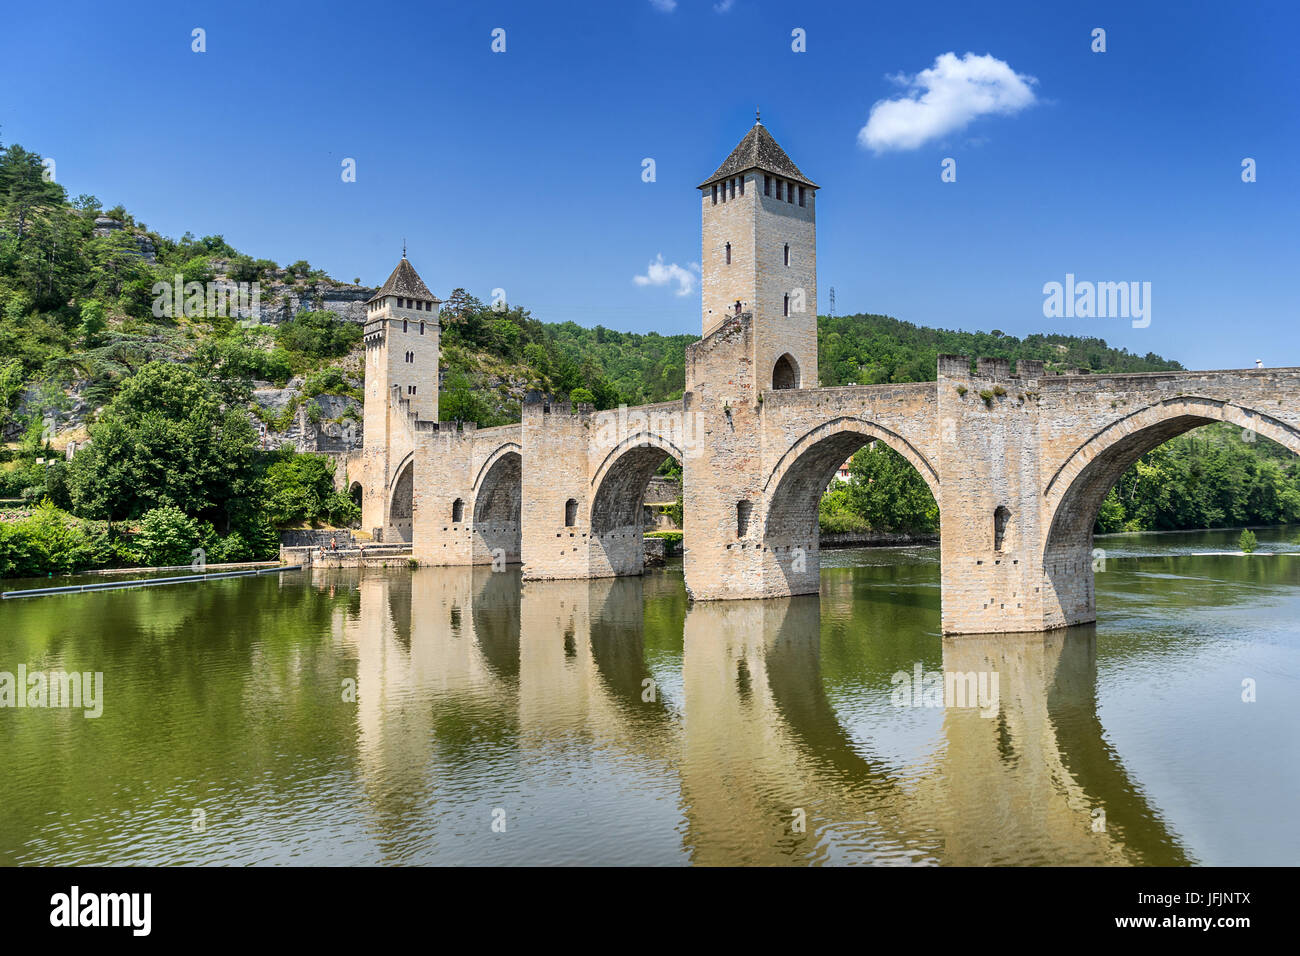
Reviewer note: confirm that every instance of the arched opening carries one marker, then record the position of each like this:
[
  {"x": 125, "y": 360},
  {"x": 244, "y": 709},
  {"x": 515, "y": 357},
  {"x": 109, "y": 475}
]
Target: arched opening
[
  {"x": 571, "y": 512},
  {"x": 617, "y": 544},
  {"x": 458, "y": 511},
  {"x": 785, "y": 374},
  {"x": 743, "y": 510},
  {"x": 400, "y": 509},
  {"x": 1077, "y": 490},
  {"x": 1001, "y": 517},
  {"x": 355, "y": 494},
  {"x": 497, "y": 510},
  {"x": 891, "y": 488}
]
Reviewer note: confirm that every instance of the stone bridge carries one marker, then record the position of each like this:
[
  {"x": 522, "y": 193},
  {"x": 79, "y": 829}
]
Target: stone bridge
[
  {"x": 1019, "y": 477},
  {"x": 1018, "y": 460}
]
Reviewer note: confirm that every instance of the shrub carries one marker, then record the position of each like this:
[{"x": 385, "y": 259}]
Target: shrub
[
  {"x": 318, "y": 335},
  {"x": 1247, "y": 542},
  {"x": 51, "y": 541},
  {"x": 168, "y": 537}
]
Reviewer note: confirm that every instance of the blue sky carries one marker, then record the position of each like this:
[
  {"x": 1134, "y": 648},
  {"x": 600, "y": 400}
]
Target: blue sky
[{"x": 522, "y": 170}]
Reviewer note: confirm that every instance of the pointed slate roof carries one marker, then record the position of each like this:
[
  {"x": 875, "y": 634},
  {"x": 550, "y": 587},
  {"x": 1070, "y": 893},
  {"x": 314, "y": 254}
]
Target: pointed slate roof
[
  {"x": 406, "y": 282},
  {"x": 758, "y": 150}
]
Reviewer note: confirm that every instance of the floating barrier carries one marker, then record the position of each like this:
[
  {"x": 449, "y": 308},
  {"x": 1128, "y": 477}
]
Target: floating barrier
[{"x": 147, "y": 582}]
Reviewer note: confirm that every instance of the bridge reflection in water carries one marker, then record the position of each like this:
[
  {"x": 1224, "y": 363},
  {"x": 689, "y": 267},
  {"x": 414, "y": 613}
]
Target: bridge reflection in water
[{"x": 610, "y": 721}]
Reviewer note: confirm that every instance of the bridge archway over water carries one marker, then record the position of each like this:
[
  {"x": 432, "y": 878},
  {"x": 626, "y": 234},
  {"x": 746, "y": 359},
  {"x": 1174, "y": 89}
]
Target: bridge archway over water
[
  {"x": 1075, "y": 491},
  {"x": 498, "y": 496},
  {"x": 794, "y": 488},
  {"x": 618, "y": 499}
]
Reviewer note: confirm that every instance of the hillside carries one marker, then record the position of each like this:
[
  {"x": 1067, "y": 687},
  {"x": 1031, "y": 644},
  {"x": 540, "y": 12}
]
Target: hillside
[{"x": 86, "y": 304}]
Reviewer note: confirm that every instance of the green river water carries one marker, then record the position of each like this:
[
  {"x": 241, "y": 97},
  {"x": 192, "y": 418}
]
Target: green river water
[{"x": 457, "y": 716}]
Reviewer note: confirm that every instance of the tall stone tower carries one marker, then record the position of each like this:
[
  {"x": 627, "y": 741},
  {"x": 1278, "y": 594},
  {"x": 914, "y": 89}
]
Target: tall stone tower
[
  {"x": 760, "y": 250},
  {"x": 401, "y": 340}
]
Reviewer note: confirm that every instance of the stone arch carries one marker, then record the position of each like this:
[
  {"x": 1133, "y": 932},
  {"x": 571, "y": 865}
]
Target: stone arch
[
  {"x": 794, "y": 489},
  {"x": 401, "y": 502},
  {"x": 356, "y": 493},
  {"x": 1073, "y": 495},
  {"x": 785, "y": 373},
  {"x": 617, "y": 500},
  {"x": 498, "y": 496}
]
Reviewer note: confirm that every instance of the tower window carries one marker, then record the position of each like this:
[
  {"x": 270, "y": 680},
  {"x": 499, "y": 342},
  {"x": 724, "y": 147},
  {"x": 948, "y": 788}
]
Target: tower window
[
  {"x": 785, "y": 305},
  {"x": 715, "y": 194},
  {"x": 728, "y": 253},
  {"x": 403, "y": 325},
  {"x": 742, "y": 185},
  {"x": 458, "y": 511},
  {"x": 422, "y": 324},
  {"x": 778, "y": 190},
  {"x": 787, "y": 253},
  {"x": 571, "y": 512},
  {"x": 801, "y": 195},
  {"x": 767, "y": 185},
  {"x": 789, "y": 192}
]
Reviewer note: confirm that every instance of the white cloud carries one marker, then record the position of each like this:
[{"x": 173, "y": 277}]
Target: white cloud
[
  {"x": 945, "y": 98},
  {"x": 665, "y": 273},
  {"x": 664, "y": 6},
  {"x": 722, "y": 6}
]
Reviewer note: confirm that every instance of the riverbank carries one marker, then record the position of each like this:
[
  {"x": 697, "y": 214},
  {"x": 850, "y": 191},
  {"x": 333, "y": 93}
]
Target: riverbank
[{"x": 875, "y": 539}]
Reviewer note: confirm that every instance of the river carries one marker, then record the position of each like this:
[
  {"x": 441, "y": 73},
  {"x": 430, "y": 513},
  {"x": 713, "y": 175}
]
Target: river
[{"x": 457, "y": 716}]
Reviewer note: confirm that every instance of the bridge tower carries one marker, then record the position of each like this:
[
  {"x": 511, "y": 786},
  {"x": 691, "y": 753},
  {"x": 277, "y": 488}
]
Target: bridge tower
[
  {"x": 401, "y": 348},
  {"x": 760, "y": 251}
]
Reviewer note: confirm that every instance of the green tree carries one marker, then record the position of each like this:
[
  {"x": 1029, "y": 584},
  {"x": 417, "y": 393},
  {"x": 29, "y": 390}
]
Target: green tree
[
  {"x": 166, "y": 440},
  {"x": 1247, "y": 542}
]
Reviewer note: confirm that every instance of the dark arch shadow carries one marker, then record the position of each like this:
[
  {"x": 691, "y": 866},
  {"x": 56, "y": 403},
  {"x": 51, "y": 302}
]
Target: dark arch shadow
[
  {"x": 497, "y": 510},
  {"x": 401, "y": 504},
  {"x": 616, "y": 540}
]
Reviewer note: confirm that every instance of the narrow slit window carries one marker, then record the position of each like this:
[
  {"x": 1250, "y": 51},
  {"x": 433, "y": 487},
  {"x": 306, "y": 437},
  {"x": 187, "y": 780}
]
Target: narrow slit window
[
  {"x": 715, "y": 194},
  {"x": 767, "y": 185},
  {"x": 743, "y": 510},
  {"x": 787, "y": 253},
  {"x": 571, "y": 512},
  {"x": 458, "y": 511},
  {"x": 1001, "y": 518},
  {"x": 785, "y": 305},
  {"x": 728, "y": 253},
  {"x": 801, "y": 195}
]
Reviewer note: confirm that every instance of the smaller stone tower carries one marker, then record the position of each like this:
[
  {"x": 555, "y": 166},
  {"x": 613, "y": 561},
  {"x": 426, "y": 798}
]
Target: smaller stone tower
[{"x": 401, "y": 341}]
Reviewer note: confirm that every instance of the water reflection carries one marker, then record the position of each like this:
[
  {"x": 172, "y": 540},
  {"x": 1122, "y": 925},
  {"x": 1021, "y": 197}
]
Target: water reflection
[
  {"x": 395, "y": 716},
  {"x": 468, "y": 676}
]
